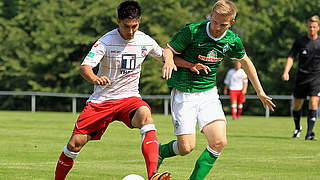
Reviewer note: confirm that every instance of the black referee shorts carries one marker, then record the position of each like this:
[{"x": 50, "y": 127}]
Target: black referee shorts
[{"x": 311, "y": 88}]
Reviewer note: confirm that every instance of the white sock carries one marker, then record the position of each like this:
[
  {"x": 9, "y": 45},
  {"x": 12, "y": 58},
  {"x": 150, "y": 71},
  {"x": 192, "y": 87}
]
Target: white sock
[
  {"x": 213, "y": 152},
  {"x": 175, "y": 147},
  {"x": 70, "y": 154}
]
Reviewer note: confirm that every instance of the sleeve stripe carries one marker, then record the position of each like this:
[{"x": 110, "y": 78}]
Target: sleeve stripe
[
  {"x": 244, "y": 56},
  {"x": 170, "y": 47}
]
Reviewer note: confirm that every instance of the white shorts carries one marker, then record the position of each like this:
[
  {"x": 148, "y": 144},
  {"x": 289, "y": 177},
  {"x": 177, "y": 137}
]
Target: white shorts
[{"x": 189, "y": 108}]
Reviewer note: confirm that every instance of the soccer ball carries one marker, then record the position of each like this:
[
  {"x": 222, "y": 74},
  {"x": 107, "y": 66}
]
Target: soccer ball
[{"x": 133, "y": 177}]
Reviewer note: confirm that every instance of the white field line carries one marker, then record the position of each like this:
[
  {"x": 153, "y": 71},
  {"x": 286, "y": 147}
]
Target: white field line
[
  {"x": 129, "y": 161},
  {"x": 76, "y": 162},
  {"x": 278, "y": 158}
]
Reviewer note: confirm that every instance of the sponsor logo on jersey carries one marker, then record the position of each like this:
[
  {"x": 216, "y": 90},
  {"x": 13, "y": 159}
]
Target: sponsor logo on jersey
[
  {"x": 143, "y": 51},
  {"x": 128, "y": 63},
  {"x": 90, "y": 55},
  {"x": 95, "y": 45},
  {"x": 211, "y": 56},
  {"x": 225, "y": 48}
]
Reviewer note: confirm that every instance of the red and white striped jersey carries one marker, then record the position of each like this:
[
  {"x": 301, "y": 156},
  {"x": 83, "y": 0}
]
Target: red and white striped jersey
[{"x": 120, "y": 60}]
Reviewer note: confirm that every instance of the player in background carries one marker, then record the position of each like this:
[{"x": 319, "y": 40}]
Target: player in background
[
  {"x": 199, "y": 49},
  {"x": 119, "y": 54},
  {"x": 307, "y": 76},
  {"x": 237, "y": 82}
]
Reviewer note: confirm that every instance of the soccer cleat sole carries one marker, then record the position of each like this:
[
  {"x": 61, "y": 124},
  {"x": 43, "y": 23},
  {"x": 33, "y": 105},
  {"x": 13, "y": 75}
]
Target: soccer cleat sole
[{"x": 161, "y": 176}]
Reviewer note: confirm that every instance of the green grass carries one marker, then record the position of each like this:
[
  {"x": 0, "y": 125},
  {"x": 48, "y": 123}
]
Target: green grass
[{"x": 258, "y": 148}]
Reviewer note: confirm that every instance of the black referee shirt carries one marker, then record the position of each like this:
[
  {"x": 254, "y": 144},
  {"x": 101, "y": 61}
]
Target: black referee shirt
[{"x": 309, "y": 59}]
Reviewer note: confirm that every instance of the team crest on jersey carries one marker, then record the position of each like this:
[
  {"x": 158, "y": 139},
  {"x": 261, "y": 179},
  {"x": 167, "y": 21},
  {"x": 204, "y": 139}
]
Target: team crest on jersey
[
  {"x": 226, "y": 48},
  {"x": 143, "y": 51},
  {"x": 128, "y": 63},
  {"x": 211, "y": 56}
]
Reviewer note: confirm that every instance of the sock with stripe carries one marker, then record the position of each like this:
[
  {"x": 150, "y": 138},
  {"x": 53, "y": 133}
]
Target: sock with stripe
[
  {"x": 150, "y": 148},
  {"x": 204, "y": 164},
  {"x": 234, "y": 111},
  {"x": 169, "y": 150},
  {"x": 65, "y": 163},
  {"x": 239, "y": 110},
  {"x": 312, "y": 117}
]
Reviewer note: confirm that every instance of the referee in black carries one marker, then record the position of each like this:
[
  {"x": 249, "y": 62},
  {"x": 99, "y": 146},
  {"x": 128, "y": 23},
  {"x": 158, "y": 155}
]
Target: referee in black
[{"x": 307, "y": 76}]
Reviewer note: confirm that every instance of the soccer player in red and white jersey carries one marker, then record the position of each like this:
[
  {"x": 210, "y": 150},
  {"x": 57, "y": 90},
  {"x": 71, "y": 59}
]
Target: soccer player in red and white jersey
[
  {"x": 119, "y": 54},
  {"x": 237, "y": 82}
]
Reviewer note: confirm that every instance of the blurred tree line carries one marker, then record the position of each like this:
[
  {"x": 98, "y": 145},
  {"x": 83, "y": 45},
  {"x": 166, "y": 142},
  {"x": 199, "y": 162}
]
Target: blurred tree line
[{"x": 43, "y": 42}]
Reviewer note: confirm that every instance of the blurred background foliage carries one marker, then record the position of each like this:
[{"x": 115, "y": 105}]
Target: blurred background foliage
[{"x": 43, "y": 42}]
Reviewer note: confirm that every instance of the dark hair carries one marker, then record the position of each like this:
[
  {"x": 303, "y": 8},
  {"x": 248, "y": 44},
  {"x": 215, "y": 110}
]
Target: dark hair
[{"x": 129, "y": 10}]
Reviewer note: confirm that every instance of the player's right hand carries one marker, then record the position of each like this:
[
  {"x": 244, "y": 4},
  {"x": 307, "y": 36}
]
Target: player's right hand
[
  {"x": 167, "y": 69},
  {"x": 198, "y": 67},
  {"x": 101, "y": 81},
  {"x": 285, "y": 77}
]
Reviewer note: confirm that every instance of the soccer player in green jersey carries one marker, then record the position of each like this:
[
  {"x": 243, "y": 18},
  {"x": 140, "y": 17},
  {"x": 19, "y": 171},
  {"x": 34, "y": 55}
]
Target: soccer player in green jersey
[{"x": 198, "y": 49}]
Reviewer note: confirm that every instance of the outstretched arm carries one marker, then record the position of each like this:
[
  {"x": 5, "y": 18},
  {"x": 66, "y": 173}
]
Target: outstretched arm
[
  {"x": 289, "y": 63},
  {"x": 251, "y": 72}
]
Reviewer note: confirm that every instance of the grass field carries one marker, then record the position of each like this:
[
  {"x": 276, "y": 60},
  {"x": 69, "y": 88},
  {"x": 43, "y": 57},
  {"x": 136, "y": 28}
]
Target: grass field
[{"x": 258, "y": 148}]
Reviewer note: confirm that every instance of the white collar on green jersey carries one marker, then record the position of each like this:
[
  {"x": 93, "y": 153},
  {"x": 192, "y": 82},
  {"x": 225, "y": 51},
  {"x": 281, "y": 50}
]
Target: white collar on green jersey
[{"x": 216, "y": 39}]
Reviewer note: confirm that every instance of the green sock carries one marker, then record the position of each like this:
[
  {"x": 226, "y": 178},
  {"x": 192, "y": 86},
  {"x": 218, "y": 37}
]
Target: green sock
[
  {"x": 203, "y": 165},
  {"x": 166, "y": 150}
]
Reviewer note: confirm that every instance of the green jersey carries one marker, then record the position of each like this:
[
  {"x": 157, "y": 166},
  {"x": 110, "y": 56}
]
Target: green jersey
[{"x": 195, "y": 44}]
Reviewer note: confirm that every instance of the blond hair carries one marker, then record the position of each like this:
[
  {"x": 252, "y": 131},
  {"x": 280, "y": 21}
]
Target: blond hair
[
  {"x": 225, "y": 8},
  {"x": 314, "y": 18}
]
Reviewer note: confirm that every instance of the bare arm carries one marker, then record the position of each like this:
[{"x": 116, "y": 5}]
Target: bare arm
[
  {"x": 289, "y": 63},
  {"x": 225, "y": 90},
  {"x": 251, "y": 72},
  {"x": 192, "y": 67},
  {"x": 87, "y": 73},
  {"x": 245, "y": 87},
  {"x": 169, "y": 64}
]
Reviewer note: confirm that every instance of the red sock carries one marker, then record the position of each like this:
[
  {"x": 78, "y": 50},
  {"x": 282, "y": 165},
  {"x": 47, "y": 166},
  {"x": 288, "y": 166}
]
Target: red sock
[
  {"x": 150, "y": 151},
  {"x": 239, "y": 112},
  {"x": 63, "y": 167},
  {"x": 234, "y": 111}
]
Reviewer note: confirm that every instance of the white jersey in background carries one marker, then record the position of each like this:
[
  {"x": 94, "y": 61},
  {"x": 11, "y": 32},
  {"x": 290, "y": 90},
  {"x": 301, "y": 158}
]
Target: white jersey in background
[
  {"x": 120, "y": 60},
  {"x": 235, "y": 79}
]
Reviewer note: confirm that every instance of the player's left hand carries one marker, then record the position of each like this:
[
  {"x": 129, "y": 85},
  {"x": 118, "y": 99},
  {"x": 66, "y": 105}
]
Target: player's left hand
[
  {"x": 167, "y": 69},
  {"x": 266, "y": 101}
]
